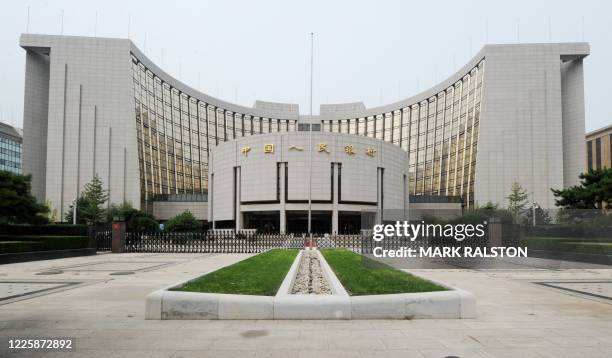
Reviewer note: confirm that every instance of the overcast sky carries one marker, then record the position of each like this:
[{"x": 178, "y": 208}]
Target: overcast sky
[{"x": 371, "y": 51}]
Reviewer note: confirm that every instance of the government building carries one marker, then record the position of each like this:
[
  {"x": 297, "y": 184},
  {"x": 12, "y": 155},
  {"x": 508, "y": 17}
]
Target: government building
[{"x": 98, "y": 105}]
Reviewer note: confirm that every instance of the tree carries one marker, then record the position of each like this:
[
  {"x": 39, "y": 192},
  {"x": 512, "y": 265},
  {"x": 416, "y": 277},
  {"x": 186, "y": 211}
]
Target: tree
[
  {"x": 183, "y": 222},
  {"x": 68, "y": 216},
  {"x": 143, "y": 223},
  {"x": 484, "y": 213},
  {"x": 89, "y": 204},
  {"x": 136, "y": 220},
  {"x": 124, "y": 211},
  {"x": 594, "y": 191},
  {"x": 17, "y": 205},
  {"x": 517, "y": 200},
  {"x": 541, "y": 215}
]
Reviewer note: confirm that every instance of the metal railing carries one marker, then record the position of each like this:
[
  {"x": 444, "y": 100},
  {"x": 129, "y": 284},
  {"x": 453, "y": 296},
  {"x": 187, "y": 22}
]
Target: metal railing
[{"x": 209, "y": 242}]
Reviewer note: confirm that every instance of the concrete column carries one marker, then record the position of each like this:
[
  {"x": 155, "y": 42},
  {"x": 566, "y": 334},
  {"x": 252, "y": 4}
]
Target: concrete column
[
  {"x": 379, "y": 186},
  {"x": 335, "y": 200},
  {"x": 238, "y": 214},
  {"x": 283, "y": 212}
]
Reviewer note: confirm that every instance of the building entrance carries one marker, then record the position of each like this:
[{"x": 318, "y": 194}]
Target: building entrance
[
  {"x": 263, "y": 221},
  {"x": 297, "y": 222}
]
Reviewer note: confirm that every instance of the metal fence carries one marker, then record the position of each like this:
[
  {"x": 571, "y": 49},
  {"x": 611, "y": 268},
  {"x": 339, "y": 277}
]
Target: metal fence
[
  {"x": 208, "y": 242},
  {"x": 250, "y": 242},
  {"x": 101, "y": 236}
]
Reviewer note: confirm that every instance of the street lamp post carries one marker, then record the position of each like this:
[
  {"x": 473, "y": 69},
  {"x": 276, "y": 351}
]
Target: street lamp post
[
  {"x": 310, "y": 143},
  {"x": 74, "y": 211}
]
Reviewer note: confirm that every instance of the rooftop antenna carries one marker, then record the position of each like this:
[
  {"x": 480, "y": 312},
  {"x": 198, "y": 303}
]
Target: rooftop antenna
[
  {"x": 310, "y": 140},
  {"x": 28, "y": 20}
]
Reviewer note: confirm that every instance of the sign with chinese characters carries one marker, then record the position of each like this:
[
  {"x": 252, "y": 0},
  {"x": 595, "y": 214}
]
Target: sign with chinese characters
[
  {"x": 348, "y": 149},
  {"x": 371, "y": 151},
  {"x": 295, "y": 147},
  {"x": 323, "y": 148},
  {"x": 245, "y": 150},
  {"x": 269, "y": 148}
]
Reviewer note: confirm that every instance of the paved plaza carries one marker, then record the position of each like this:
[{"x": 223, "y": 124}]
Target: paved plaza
[{"x": 99, "y": 300}]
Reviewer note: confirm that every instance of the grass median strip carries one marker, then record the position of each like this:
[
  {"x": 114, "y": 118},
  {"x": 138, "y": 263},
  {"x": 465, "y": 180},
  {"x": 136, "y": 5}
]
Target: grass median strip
[
  {"x": 258, "y": 275},
  {"x": 363, "y": 276}
]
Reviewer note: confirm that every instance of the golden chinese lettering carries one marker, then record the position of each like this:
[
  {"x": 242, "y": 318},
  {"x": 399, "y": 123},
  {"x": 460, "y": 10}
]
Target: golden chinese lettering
[
  {"x": 269, "y": 148},
  {"x": 295, "y": 147},
  {"x": 245, "y": 150},
  {"x": 371, "y": 151},
  {"x": 323, "y": 148},
  {"x": 348, "y": 149}
]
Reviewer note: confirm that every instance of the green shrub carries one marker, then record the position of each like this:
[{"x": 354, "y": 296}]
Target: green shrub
[
  {"x": 183, "y": 222},
  {"x": 20, "y": 246},
  {"x": 142, "y": 224},
  {"x": 582, "y": 230},
  {"x": 603, "y": 248},
  {"x": 47, "y": 230},
  {"x": 51, "y": 242}
]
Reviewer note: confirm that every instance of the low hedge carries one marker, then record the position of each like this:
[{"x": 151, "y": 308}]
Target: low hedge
[
  {"x": 47, "y": 230},
  {"x": 602, "y": 248},
  {"x": 568, "y": 245},
  {"x": 570, "y": 231},
  {"x": 50, "y": 242},
  {"x": 20, "y": 246}
]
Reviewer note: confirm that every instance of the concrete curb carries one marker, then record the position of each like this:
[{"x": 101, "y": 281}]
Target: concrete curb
[{"x": 454, "y": 303}]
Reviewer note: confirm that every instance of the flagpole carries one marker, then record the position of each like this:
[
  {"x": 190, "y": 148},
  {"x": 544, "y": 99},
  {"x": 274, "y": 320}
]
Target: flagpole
[{"x": 310, "y": 143}]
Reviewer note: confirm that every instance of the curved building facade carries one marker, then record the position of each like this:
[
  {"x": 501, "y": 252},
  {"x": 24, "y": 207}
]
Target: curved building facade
[
  {"x": 264, "y": 182},
  {"x": 100, "y": 106}
]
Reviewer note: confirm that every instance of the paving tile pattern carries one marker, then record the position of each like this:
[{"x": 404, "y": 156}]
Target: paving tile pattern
[{"x": 517, "y": 318}]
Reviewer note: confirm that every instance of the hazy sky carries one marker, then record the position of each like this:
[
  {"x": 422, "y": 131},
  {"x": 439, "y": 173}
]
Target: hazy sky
[{"x": 371, "y": 51}]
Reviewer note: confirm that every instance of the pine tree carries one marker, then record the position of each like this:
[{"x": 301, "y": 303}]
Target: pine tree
[
  {"x": 90, "y": 205},
  {"x": 517, "y": 200},
  {"x": 17, "y": 204}
]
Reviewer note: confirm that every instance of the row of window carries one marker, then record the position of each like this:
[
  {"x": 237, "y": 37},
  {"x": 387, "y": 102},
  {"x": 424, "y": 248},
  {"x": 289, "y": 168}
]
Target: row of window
[
  {"x": 10, "y": 155},
  {"x": 176, "y": 132},
  {"x": 596, "y": 161}
]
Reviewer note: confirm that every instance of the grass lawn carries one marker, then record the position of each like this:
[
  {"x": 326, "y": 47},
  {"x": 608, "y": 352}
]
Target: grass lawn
[
  {"x": 258, "y": 275},
  {"x": 363, "y": 276}
]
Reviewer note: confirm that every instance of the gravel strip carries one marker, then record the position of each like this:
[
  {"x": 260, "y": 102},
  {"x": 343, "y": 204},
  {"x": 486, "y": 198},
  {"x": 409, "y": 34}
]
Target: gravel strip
[{"x": 310, "y": 279}]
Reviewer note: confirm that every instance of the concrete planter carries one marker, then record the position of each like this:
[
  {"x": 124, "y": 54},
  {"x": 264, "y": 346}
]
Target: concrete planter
[{"x": 166, "y": 304}]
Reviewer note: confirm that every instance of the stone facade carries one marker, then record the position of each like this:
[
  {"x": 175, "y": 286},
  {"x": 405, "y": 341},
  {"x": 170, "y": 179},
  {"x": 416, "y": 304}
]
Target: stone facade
[{"x": 349, "y": 173}]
